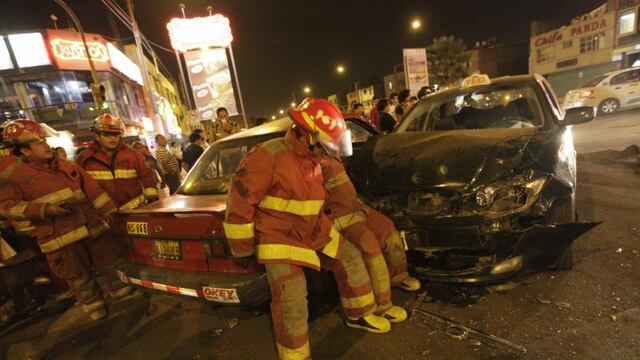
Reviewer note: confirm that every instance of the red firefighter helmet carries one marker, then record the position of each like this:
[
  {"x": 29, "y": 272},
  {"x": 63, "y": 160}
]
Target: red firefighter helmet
[
  {"x": 324, "y": 123},
  {"x": 23, "y": 132},
  {"x": 108, "y": 123}
]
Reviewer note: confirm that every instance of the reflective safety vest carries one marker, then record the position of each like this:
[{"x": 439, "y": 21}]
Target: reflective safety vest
[
  {"x": 31, "y": 186},
  {"x": 342, "y": 207},
  {"x": 275, "y": 206},
  {"x": 125, "y": 176}
]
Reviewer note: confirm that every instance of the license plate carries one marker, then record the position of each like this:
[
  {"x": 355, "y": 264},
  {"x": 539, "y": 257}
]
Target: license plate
[
  {"x": 167, "y": 250},
  {"x": 137, "y": 228}
]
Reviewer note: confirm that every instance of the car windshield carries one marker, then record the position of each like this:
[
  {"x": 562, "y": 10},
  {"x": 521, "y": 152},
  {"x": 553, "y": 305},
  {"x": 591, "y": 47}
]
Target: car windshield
[
  {"x": 595, "y": 81},
  {"x": 213, "y": 171},
  {"x": 484, "y": 107}
]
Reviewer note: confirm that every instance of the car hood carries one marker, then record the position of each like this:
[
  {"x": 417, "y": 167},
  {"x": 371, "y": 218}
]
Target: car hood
[
  {"x": 178, "y": 203},
  {"x": 458, "y": 159}
]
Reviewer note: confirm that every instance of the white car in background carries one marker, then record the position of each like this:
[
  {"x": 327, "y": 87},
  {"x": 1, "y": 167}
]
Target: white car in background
[{"x": 609, "y": 92}]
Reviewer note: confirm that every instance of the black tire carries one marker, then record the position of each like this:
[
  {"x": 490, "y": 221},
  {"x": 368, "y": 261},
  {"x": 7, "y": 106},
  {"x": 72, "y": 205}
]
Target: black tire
[
  {"x": 564, "y": 211},
  {"x": 608, "y": 106}
]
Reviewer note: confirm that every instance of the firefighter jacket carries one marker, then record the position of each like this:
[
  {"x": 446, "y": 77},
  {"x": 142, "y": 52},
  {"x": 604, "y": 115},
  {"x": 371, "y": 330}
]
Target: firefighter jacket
[
  {"x": 125, "y": 176},
  {"x": 35, "y": 185},
  {"x": 342, "y": 207},
  {"x": 275, "y": 202}
]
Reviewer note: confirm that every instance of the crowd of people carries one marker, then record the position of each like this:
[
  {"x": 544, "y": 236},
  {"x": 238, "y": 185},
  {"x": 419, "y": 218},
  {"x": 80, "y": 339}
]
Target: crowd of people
[{"x": 385, "y": 114}]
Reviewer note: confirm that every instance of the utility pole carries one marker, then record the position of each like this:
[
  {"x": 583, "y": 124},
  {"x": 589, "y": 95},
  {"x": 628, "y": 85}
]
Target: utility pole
[
  {"x": 147, "y": 88},
  {"x": 95, "y": 87}
]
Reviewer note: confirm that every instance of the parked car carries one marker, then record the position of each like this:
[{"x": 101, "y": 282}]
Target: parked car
[
  {"x": 177, "y": 244},
  {"x": 481, "y": 179},
  {"x": 609, "y": 92}
]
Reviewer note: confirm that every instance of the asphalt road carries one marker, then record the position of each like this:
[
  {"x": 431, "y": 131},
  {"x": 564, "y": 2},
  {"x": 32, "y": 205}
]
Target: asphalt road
[{"x": 591, "y": 312}]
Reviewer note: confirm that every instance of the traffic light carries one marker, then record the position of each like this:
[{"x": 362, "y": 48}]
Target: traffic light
[{"x": 99, "y": 97}]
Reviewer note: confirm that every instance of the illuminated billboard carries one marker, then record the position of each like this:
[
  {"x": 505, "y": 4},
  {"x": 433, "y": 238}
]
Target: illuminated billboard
[
  {"x": 29, "y": 49},
  {"x": 210, "y": 81},
  {"x": 122, "y": 63},
  {"x": 69, "y": 52},
  {"x": 199, "y": 32},
  {"x": 5, "y": 58}
]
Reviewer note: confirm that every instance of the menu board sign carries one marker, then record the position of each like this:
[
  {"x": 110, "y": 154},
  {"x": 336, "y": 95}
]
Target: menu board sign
[{"x": 210, "y": 81}]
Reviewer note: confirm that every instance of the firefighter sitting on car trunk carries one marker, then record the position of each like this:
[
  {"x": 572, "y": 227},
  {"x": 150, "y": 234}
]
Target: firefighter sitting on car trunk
[
  {"x": 66, "y": 211},
  {"x": 120, "y": 170},
  {"x": 275, "y": 210}
]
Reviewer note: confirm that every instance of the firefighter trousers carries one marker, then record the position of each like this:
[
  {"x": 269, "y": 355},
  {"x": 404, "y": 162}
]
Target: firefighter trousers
[
  {"x": 78, "y": 264},
  {"x": 365, "y": 240},
  {"x": 289, "y": 311},
  {"x": 390, "y": 243}
]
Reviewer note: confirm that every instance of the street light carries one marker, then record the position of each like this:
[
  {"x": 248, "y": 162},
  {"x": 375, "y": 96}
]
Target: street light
[
  {"x": 307, "y": 90},
  {"x": 293, "y": 104},
  {"x": 340, "y": 69},
  {"x": 281, "y": 111},
  {"x": 416, "y": 24},
  {"x": 273, "y": 117}
]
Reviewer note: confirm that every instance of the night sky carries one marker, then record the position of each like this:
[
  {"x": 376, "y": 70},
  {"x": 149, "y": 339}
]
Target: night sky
[{"x": 282, "y": 45}]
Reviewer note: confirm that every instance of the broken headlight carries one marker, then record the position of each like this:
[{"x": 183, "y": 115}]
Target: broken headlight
[{"x": 499, "y": 198}]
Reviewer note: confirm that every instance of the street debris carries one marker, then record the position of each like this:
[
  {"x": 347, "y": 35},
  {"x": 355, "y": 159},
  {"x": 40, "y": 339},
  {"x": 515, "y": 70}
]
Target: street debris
[
  {"x": 458, "y": 331},
  {"x": 217, "y": 332},
  {"x": 564, "y": 305},
  {"x": 619, "y": 250},
  {"x": 613, "y": 317},
  {"x": 503, "y": 288},
  {"x": 231, "y": 323},
  {"x": 542, "y": 300}
]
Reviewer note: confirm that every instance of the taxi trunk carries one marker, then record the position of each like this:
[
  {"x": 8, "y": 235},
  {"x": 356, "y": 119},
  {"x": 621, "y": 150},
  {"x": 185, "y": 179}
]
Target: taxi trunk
[{"x": 177, "y": 245}]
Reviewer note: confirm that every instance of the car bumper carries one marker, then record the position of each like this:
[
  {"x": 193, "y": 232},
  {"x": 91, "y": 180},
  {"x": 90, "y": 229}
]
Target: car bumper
[
  {"x": 500, "y": 255},
  {"x": 568, "y": 104},
  {"x": 229, "y": 289}
]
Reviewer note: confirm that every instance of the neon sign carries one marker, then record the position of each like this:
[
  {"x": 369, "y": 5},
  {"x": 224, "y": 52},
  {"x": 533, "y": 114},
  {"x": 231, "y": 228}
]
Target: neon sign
[
  {"x": 74, "y": 50},
  {"x": 199, "y": 32}
]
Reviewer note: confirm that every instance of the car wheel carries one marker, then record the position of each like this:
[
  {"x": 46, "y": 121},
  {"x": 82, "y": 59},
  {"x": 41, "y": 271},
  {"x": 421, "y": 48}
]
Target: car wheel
[
  {"x": 609, "y": 106},
  {"x": 564, "y": 211}
]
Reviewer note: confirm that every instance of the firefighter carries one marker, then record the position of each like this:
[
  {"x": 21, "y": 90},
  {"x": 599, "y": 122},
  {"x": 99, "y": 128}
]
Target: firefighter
[
  {"x": 66, "y": 211},
  {"x": 373, "y": 234},
  {"x": 275, "y": 210},
  {"x": 121, "y": 171}
]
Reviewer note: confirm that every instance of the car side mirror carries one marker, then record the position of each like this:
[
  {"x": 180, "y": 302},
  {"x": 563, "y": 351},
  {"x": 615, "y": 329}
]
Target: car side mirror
[{"x": 579, "y": 115}]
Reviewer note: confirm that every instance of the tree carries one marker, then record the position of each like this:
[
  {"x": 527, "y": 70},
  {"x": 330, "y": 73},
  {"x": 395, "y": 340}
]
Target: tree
[{"x": 447, "y": 58}]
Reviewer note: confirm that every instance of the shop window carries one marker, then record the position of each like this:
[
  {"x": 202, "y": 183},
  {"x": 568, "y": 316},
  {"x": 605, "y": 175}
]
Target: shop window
[
  {"x": 567, "y": 44},
  {"x": 544, "y": 54},
  {"x": 627, "y": 22},
  {"x": 591, "y": 42}
]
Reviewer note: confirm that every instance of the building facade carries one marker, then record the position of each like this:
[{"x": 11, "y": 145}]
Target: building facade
[
  {"x": 363, "y": 96},
  {"x": 495, "y": 59},
  {"x": 627, "y": 48},
  {"x": 45, "y": 75},
  {"x": 572, "y": 55}
]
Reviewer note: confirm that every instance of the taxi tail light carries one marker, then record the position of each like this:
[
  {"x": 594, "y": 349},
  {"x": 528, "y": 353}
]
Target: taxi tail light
[{"x": 215, "y": 247}]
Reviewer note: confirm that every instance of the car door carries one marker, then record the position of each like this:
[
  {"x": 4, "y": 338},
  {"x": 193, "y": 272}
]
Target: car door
[
  {"x": 633, "y": 88},
  {"x": 620, "y": 87}
]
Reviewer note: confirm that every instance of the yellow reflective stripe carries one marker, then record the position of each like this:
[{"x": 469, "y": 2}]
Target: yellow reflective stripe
[
  {"x": 276, "y": 145},
  {"x": 101, "y": 175},
  {"x": 347, "y": 220},
  {"x": 101, "y": 201},
  {"x": 23, "y": 226},
  {"x": 331, "y": 249},
  {"x": 126, "y": 173},
  {"x": 151, "y": 192},
  {"x": 358, "y": 302},
  {"x": 133, "y": 203},
  {"x": 300, "y": 353},
  {"x": 10, "y": 169},
  {"x": 287, "y": 252},
  {"x": 17, "y": 212},
  {"x": 56, "y": 197},
  {"x": 64, "y": 240},
  {"x": 98, "y": 230},
  {"x": 341, "y": 178},
  {"x": 79, "y": 194},
  {"x": 238, "y": 231},
  {"x": 297, "y": 207}
]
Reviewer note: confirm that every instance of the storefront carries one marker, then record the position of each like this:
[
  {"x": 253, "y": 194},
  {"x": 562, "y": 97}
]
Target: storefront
[
  {"x": 572, "y": 55},
  {"x": 46, "y": 76}
]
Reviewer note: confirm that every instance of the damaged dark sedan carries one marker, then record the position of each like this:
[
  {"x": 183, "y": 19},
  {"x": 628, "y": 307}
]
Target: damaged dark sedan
[{"x": 481, "y": 180}]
